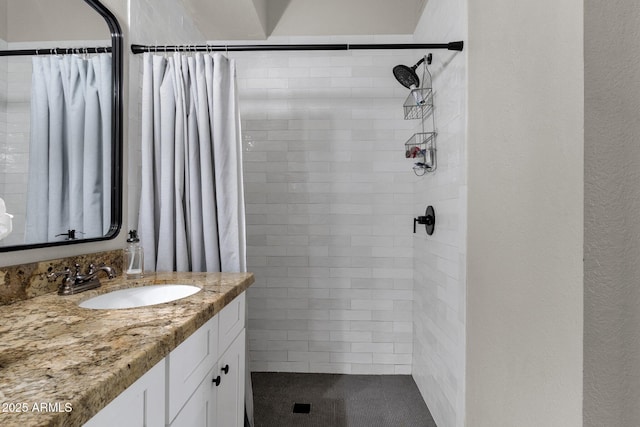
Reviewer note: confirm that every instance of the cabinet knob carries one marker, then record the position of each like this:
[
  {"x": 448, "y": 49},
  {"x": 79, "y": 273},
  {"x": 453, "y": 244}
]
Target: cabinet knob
[
  {"x": 225, "y": 369},
  {"x": 217, "y": 380}
]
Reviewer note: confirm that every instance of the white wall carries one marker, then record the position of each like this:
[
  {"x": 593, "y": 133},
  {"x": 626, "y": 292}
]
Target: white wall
[
  {"x": 3, "y": 21},
  {"x": 440, "y": 260},
  {"x": 29, "y": 20},
  {"x": 4, "y": 68},
  {"x": 329, "y": 209},
  {"x": 525, "y": 213},
  {"x": 612, "y": 224}
]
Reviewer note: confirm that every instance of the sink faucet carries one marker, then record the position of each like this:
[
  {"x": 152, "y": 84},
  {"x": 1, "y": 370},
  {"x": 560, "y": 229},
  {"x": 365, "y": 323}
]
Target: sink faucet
[{"x": 73, "y": 283}]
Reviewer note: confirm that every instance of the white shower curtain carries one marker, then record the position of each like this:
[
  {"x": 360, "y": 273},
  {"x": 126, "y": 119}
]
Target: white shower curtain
[
  {"x": 192, "y": 200},
  {"x": 70, "y": 149}
]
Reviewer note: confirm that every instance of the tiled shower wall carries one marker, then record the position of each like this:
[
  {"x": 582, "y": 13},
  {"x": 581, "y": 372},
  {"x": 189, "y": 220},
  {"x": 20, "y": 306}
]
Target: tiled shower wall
[
  {"x": 329, "y": 200},
  {"x": 440, "y": 260},
  {"x": 16, "y": 140}
]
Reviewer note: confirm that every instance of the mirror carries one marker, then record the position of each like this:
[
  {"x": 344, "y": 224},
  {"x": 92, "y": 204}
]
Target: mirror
[{"x": 60, "y": 123}]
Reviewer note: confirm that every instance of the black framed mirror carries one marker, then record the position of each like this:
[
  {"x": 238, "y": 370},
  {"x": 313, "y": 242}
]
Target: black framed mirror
[{"x": 60, "y": 174}]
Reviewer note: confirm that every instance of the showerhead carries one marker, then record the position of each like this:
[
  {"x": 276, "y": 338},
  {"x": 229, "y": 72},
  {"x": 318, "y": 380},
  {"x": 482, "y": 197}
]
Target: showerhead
[{"x": 407, "y": 76}]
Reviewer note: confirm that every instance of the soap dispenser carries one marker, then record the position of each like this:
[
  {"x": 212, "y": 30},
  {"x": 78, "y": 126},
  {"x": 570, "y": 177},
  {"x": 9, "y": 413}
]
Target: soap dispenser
[{"x": 133, "y": 256}]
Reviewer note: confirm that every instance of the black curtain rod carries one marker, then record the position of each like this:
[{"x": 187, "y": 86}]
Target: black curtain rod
[
  {"x": 55, "y": 51},
  {"x": 137, "y": 48}
]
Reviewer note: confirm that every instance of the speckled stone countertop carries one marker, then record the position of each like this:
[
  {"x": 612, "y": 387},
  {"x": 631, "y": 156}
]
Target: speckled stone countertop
[{"x": 75, "y": 360}]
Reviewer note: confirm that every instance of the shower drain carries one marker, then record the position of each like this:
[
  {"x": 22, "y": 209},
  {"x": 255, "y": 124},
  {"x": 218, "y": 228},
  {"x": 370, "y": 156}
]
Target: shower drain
[{"x": 301, "y": 408}]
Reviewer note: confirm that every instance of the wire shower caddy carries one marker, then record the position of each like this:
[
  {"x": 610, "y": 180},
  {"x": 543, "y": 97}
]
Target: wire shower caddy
[{"x": 419, "y": 106}]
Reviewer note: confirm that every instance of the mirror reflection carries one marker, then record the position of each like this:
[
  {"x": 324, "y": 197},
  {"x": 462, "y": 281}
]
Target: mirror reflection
[{"x": 55, "y": 122}]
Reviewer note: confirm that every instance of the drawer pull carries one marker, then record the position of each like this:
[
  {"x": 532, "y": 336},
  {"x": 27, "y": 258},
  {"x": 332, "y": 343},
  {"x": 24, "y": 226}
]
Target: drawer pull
[
  {"x": 225, "y": 369},
  {"x": 217, "y": 380}
]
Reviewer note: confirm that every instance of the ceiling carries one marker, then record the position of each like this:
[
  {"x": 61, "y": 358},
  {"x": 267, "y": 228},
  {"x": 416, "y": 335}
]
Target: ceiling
[
  {"x": 46, "y": 20},
  {"x": 259, "y": 19}
]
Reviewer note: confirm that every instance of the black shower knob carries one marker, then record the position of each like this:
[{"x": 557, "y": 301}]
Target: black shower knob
[{"x": 429, "y": 220}]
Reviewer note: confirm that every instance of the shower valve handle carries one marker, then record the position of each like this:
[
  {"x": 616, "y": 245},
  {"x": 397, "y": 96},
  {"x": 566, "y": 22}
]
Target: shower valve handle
[
  {"x": 423, "y": 220},
  {"x": 428, "y": 220}
]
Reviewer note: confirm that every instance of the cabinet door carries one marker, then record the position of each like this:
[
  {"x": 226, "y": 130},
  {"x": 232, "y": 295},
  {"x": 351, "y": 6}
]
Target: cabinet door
[
  {"x": 140, "y": 405},
  {"x": 189, "y": 363},
  {"x": 200, "y": 409},
  {"x": 230, "y": 400}
]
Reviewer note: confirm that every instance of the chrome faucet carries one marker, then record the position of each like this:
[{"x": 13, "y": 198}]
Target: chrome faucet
[{"x": 73, "y": 283}]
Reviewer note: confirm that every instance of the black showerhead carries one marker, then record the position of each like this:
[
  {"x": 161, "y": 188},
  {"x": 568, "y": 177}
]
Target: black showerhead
[{"x": 407, "y": 76}]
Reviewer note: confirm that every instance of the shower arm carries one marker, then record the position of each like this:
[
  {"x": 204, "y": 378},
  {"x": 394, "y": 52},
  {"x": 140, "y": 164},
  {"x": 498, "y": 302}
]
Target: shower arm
[{"x": 418, "y": 63}]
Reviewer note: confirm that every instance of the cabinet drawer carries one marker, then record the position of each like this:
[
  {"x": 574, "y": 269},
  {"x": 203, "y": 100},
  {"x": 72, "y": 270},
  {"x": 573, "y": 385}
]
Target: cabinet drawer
[
  {"x": 232, "y": 319},
  {"x": 189, "y": 363}
]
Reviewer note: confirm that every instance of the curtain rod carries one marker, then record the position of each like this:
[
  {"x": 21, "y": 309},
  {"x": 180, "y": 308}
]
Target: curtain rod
[
  {"x": 137, "y": 48},
  {"x": 55, "y": 51}
]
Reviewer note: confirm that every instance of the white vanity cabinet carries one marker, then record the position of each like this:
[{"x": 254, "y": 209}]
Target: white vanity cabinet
[
  {"x": 213, "y": 389},
  {"x": 141, "y": 404},
  {"x": 200, "y": 383},
  {"x": 219, "y": 399}
]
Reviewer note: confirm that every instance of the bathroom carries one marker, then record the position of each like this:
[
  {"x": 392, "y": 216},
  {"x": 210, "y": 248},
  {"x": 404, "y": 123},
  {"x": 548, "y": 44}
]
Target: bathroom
[{"x": 519, "y": 309}]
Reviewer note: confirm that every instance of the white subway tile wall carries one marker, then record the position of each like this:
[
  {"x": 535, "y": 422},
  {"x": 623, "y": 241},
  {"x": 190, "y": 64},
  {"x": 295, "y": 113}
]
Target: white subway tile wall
[
  {"x": 15, "y": 153},
  {"x": 329, "y": 210},
  {"x": 439, "y": 305}
]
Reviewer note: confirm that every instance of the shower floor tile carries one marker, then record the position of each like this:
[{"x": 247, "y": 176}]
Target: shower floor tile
[{"x": 338, "y": 400}]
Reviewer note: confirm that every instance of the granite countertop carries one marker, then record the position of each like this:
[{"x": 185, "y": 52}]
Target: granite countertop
[{"x": 60, "y": 364}]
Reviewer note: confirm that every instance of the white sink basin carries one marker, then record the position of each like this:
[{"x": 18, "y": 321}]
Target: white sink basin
[{"x": 140, "y": 297}]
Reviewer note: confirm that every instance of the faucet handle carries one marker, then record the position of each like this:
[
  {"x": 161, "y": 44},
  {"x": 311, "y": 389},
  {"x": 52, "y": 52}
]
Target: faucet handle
[
  {"x": 77, "y": 270},
  {"x": 66, "y": 285},
  {"x": 91, "y": 269},
  {"x": 53, "y": 275}
]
